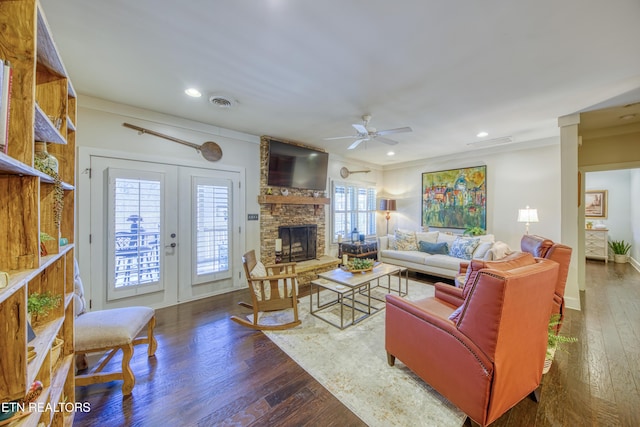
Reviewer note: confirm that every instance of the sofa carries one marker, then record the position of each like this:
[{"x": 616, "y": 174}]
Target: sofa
[
  {"x": 437, "y": 253},
  {"x": 487, "y": 354}
]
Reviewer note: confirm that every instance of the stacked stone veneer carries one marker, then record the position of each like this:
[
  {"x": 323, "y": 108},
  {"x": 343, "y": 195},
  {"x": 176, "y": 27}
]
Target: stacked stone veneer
[{"x": 284, "y": 214}]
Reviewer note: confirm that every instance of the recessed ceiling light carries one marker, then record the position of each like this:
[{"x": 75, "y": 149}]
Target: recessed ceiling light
[
  {"x": 391, "y": 153},
  {"x": 193, "y": 92},
  {"x": 482, "y": 134}
]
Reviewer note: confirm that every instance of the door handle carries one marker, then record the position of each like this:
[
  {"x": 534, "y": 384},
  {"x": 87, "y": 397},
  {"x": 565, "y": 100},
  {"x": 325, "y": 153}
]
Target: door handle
[{"x": 172, "y": 245}]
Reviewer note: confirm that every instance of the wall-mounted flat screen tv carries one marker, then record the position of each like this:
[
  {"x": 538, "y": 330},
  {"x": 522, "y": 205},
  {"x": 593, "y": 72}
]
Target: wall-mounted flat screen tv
[{"x": 297, "y": 167}]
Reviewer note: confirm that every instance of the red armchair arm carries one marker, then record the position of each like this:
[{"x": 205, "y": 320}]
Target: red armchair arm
[{"x": 449, "y": 294}]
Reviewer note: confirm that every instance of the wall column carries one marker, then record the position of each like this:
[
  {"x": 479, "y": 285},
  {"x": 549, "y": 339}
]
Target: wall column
[{"x": 572, "y": 226}]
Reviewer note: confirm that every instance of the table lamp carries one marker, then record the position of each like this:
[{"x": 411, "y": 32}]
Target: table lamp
[{"x": 527, "y": 215}]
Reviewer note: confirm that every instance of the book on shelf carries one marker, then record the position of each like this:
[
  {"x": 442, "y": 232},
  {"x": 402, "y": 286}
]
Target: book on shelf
[{"x": 6, "y": 78}]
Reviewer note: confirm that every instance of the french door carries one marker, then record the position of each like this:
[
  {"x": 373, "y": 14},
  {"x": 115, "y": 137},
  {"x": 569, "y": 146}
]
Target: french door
[{"x": 160, "y": 234}]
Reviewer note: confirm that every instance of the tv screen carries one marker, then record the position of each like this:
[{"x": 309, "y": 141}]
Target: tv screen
[{"x": 297, "y": 167}]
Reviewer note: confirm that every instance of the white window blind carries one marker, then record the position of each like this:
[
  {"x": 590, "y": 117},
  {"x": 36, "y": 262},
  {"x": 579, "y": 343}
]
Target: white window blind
[
  {"x": 211, "y": 239},
  {"x": 354, "y": 206}
]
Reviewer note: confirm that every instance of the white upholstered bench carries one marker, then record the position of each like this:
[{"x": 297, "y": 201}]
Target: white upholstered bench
[{"x": 111, "y": 330}]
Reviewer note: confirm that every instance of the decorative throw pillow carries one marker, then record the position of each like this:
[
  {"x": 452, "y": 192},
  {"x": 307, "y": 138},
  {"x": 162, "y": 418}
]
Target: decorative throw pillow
[
  {"x": 463, "y": 248},
  {"x": 80, "y": 304},
  {"x": 441, "y": 248},
  {"x": 260, "y": 271},
  {"x": 482, "y": 249},
  {"x": 392, "y": 242},
  {"x": 406, "y": 241},
  {"x": 456, "y": 314}
]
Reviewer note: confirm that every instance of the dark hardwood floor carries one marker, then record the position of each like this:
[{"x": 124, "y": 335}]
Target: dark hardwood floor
[{"x": 209, "y": 371}]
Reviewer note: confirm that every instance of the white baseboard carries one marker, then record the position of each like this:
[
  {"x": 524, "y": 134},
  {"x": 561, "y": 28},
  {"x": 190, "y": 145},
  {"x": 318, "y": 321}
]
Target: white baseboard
[
  {"x": 572, "y": 303},
  {"x": 634, "y": 263}
]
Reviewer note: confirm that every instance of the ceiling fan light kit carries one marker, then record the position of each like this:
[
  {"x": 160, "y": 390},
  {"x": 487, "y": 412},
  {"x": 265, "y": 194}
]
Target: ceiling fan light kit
[{"x": 368, "y": 133}]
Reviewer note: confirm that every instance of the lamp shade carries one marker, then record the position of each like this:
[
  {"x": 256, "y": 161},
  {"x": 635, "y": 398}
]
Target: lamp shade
[
  {"x": 387, "y": 205},
  {"x": 527, "y": 215}
]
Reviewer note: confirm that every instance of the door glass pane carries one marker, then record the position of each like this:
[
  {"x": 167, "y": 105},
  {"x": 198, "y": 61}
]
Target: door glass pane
[
  {"x": 136, "y": 209},
  {"x": 212, "y": 228}
]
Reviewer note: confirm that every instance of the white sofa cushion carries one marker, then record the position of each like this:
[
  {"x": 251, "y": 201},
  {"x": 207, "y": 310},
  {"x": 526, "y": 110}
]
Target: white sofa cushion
[
  {"x": 427, "y": 236},
  {"x": 482, "y": 250},
  {"x": 408, "y": 256},
  {"x": 443, "y": 261}
]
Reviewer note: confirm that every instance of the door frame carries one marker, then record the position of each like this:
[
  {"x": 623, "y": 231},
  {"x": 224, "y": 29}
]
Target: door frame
[{"x": 83, "y": 204}]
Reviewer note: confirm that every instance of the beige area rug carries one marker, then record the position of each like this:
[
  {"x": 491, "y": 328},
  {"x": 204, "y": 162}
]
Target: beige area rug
[{"x": 352, "y": 365}]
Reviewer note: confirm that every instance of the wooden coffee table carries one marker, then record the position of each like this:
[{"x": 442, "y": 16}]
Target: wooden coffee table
[{"x": 347, "y": 286}]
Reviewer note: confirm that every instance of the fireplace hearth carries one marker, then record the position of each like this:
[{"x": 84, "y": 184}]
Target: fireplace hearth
[{"x": 298, "y": 242}]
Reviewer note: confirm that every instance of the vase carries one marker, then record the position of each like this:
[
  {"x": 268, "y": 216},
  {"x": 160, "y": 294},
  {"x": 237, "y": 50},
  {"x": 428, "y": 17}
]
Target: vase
[
  {"x": 548, "y": 360},
  {"x": 47, "y": 160},
  {"x": 620, "y": 258}
]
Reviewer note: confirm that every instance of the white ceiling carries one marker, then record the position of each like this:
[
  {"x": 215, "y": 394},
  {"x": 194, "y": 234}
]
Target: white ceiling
[{"x": 307, "y": 69}]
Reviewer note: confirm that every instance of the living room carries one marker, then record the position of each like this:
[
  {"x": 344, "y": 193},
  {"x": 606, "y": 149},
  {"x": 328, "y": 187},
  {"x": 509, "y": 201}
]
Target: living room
[{"x": 303, "y": 74}]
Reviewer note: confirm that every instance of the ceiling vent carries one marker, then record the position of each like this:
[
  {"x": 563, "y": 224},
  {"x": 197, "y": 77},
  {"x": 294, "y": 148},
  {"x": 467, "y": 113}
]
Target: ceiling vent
[
  {"x": 222, "y": 101},
  {"x": 491, "y": 142}
]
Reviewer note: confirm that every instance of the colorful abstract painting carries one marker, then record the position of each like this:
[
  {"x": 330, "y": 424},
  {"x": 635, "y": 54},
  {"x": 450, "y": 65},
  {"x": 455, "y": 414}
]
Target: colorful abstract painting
[{"x": 455, "y": 198}]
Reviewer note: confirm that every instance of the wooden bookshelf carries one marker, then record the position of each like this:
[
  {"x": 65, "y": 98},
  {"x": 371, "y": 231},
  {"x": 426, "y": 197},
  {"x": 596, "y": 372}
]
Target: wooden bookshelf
[{"x": 43, "y": 108}]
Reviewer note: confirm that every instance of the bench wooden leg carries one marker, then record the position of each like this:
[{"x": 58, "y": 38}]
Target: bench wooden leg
[
  {"x": 153, "y": 344},
  {"x": 127, "y": 373}
]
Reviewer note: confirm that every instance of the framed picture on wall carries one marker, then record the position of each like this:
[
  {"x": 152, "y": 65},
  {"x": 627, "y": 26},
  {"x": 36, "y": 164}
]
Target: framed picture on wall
[
  {"x": 595, "y": 204},
  {"x": 455, "y": 198}
]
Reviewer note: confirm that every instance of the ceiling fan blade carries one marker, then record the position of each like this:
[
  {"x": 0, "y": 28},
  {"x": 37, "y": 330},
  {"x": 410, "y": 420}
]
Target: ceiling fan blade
[
  {"x": 342, "y": 137},
  {"x": 397, "y": 130},
  {"x": 361, "y": 129},
  {"x": 355, "y": 144},
  {"x": 386, "y": 140}
]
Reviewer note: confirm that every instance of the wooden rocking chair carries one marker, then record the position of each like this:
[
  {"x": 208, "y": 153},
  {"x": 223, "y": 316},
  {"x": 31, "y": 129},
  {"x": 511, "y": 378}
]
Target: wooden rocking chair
[{"x": 272, "y": 287}]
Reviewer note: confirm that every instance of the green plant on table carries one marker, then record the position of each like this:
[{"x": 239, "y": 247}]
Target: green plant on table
[
  {"x": 40, "y": 304},
  {"x": 619, "y": 247},
  {"x": 359, "y": 263},
  {"x": 474, "y": 231}
]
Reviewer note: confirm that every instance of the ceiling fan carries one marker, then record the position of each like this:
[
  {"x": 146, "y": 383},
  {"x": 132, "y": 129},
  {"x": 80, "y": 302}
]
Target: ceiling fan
[{"x": 367, "y": 133}]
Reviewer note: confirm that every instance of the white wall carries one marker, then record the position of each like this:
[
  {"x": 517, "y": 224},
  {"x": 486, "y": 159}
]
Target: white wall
[
  {"x": 634, "y": 190},
  {"x": 100, "y": 127},
  {"x": 618, "y": 186},
  {"x": 514, "y": 179}
]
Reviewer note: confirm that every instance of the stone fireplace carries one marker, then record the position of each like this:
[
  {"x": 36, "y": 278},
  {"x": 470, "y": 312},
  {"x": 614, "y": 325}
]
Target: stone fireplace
[{"x": 299, "y": 242}]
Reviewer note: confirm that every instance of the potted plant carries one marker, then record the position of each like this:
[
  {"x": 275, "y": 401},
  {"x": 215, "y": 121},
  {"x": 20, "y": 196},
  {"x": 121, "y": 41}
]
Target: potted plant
[
  {"x": 474, "y": 231},
  {"x": 620, "y": 250},
  {"x": 44, "y": 237},
  {"x": 40, "y": 304},
  {"x": 554, "y": 340}
]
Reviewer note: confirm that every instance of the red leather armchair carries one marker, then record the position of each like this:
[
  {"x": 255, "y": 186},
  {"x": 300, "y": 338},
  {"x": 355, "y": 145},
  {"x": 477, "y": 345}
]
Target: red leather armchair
[
  {"x": 492, "y": 356},
  {"x": 546, "y": 248}
]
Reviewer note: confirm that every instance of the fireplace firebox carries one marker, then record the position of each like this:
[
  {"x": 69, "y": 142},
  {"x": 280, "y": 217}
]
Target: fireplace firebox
[{"x": 298, "y": 242}]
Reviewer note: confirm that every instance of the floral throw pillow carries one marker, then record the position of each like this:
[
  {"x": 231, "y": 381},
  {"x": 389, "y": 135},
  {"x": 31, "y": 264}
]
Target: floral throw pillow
[
  {"x": 463, "y": 248},
  {"x": 406, "y": 241}
]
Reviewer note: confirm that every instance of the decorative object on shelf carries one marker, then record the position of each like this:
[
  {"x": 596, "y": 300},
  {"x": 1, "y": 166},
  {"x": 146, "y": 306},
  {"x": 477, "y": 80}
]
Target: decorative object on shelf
[
  {"x": 56, "y": 349},
  {"x": 354, "y": 235},
  {"x": 554, "y": 341},
  {"x": 284, "y": 192},
  {"x": 58, "y": 194},
  {"x": 527, "y": 215},
  {"x": 269, "y": 191},
  {"x": 209, "y": 150},
  {"x": 64, "y": 241},
  {"x": 345, "y": 259},
  {"x": 4, "y": 279},
  {"x": 56, "y": 121},
  {"x": 44, "y": 237},
  {"x": 361, "y": 238},
  {"x": 40, "y": 304},
  {"x": 359, "y": 265},
  {"x": 467, "y": 186},
  {"x": 47, "y": 160},
  {"x": 387, "y": 205},
  {"x": 316, "y": 194},
  {"x": 595, "y": 204},
  {"x": 30, "y": 334},
  {"x": 589, "y": 225},
  {"x": 620, "y": 250}
]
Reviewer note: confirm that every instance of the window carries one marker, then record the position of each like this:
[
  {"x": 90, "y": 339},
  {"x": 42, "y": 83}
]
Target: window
[
  {"x": 354, "y": 206},
  {"x": 211, "y": 234},
  {"x": 135, "y": 220}
]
